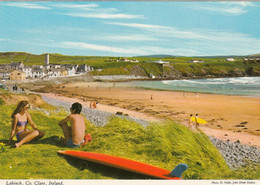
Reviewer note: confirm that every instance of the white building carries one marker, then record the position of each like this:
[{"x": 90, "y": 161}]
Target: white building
[
  {"x": 71, "y": 71},
  {"x": 53, "y": 73},
  {"x": 28, "y": 71},
  {"x": 161, "y": 62},
  {"x": 196, "y": 61},
  {"x": 230, "y": 59},
  {"x": 38, "y": 73}
]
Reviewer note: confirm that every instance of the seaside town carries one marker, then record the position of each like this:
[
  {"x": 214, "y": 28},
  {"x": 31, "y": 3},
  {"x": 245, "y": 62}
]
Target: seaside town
[{"x": 19, "y": 71}]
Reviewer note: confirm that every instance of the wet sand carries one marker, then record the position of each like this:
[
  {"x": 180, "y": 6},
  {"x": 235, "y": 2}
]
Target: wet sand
[{"x": 229, "y": 117}]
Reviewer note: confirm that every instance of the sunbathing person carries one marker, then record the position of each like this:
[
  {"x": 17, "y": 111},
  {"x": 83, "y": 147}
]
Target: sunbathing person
[
  {"x": 74, "y": 135},
  {"x": 21, "y": 118}
]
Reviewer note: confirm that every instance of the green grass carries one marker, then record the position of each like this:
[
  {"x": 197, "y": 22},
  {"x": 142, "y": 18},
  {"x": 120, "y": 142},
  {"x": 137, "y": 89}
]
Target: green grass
[{"x": 160, "y": 144}]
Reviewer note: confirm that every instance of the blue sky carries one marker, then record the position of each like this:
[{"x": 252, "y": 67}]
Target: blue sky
[{"x": 130, "y": 28}]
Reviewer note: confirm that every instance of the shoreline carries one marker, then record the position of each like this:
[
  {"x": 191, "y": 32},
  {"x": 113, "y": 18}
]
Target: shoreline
[
  {"x": 183, "y": 91},
  {"x": 225, "y": 135}
]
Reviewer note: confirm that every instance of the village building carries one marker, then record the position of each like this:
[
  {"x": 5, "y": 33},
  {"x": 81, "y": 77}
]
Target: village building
[
  {"x": 55, "y": 66},
  {"x": 83, "y": 69},
  {"x": 71, "y": 71},
  {"x": 17, "y": 65},
  {"x": 5, "y": 73},
  {"x": 127, "y": 60},
  {"x": 196, "y": 61},
  {"x": 28, "y": 71},
  {"x": 230, "y": 59},
  {"x": 134, "y": 61},
  {"x": 63, "y": 72},
  {"x": 52, "y": 73},
  {"x": 17, "y": 75},
  {"x": 161, "y": 62},
  {"x": 38, "y": 73}
]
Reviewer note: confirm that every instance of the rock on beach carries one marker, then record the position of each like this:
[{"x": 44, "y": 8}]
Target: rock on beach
[{"x": 236, "y": 154}]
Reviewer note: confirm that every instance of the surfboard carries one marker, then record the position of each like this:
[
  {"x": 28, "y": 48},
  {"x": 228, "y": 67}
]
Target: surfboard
[
  {"x": 199, "y": 120},
  {"x": 128, "y": 164}
]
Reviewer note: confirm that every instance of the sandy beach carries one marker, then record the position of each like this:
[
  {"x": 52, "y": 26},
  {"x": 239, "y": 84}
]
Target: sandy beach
[{"x": 229, "y": 117}]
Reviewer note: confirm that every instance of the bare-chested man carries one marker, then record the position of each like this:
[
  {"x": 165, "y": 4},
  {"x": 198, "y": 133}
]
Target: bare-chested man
[{"x": 74, "y": 135}]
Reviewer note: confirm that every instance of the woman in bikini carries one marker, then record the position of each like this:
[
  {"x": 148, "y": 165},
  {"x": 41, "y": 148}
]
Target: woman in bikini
[{"x": 21, "y": 118}]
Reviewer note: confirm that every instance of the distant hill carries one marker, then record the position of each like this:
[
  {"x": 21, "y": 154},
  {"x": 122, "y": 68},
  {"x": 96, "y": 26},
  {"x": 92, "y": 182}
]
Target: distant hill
[
  {"x": 255, "y": 55},
  {"x": 216, "y": 56},
  {"x": 13, "y": 54}
]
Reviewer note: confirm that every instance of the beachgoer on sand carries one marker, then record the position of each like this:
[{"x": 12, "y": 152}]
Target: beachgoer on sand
[
  {"x": 94, "y": 105},
  {"x": 21, "y": 118},
  {"x": 196, "y": 121},
  {"x": 190, "y": 121},
  {"x": 75, "y": 134}
]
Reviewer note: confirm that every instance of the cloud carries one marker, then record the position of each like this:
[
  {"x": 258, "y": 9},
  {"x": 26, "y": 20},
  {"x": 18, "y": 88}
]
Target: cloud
[
  {"x": 27, "y": 5},
  {"x": 101, "y": 15},
  {"x": 76, "y": 6},
  {"x": 144, "y": 50},
  {"x": 241, "y": 3},
  {"x": 228, "y": 8},
  {"x": 163, "y": 31},
  {"x": 95, "y": 11},
  {"x": 213, "y": 40},
  {"x": 1, "y": 39},
  {"x": 198, "y": 34},
  {"x": 138, "y": 25},
  {"x": 136, "y": 37},
  {"x": 86, "y": 46}
]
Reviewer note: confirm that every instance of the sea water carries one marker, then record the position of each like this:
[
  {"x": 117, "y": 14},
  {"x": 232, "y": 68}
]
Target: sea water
[{"x": 245, "y": 86}]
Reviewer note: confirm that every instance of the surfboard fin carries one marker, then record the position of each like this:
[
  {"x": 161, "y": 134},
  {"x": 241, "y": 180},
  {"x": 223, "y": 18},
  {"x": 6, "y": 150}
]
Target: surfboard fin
[{"x": 179, "y": 169}]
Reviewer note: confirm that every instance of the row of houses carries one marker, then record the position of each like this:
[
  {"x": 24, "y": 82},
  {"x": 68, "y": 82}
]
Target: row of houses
[{"x": 19, "y": 71}]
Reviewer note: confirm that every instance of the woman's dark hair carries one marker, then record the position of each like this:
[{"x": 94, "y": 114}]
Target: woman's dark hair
[
  {"x": 20, "y": 107},
  {"x": 76, "y": 107}
]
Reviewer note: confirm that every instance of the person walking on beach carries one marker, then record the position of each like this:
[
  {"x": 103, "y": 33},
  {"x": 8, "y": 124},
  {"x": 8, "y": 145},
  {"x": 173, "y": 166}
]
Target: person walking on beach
[
  {"x": 74, "y": 135},
  {"x": 196, "y": 121},
  {"x": 21, "y": 118},
  {"x": 190, "y": 121}
]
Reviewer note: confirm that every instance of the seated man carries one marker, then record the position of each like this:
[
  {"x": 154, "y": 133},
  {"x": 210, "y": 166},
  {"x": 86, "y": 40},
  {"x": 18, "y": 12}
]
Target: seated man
[{"x": 74, "y": 135}]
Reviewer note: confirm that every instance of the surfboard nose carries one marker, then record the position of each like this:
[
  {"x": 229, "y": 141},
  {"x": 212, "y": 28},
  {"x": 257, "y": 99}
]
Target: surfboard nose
[{"x": 179, "y": 169}]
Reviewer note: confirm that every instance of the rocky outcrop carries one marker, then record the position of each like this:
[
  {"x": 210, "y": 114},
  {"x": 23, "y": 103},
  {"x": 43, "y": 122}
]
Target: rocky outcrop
[{"x": 236, "y": 154}]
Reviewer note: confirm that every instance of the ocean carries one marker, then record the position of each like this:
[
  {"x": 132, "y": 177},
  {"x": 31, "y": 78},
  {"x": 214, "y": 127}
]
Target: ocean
[{"x": 241, "y": 86}]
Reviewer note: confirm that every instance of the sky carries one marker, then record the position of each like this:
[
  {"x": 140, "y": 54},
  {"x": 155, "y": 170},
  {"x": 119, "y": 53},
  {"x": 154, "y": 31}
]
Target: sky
[{"x": 131, "y": 28}]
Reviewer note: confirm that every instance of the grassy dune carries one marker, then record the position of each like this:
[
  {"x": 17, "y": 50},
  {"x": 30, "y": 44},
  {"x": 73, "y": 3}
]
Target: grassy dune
[{"x": 163, "y": 145}]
